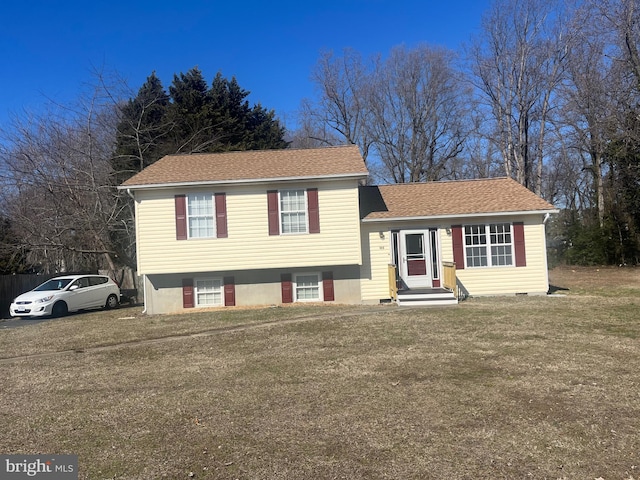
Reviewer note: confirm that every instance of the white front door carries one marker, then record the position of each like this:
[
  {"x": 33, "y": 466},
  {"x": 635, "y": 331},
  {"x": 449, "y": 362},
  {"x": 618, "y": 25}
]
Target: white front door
[
  {"x": 414, "y": 258},
  {"x": 417, "y": 253}
]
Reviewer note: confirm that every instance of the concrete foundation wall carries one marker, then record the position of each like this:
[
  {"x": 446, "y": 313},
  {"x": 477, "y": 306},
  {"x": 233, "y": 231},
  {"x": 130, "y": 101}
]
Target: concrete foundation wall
[{"x": 252, "y": 287}]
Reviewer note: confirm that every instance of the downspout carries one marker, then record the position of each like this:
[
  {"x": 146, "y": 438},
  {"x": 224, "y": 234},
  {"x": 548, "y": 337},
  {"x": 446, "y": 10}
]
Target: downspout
[
  {"x": 544, "y": 239},
  {"x": 144, "y": 276},
  {"x": 144, "y": 293}
]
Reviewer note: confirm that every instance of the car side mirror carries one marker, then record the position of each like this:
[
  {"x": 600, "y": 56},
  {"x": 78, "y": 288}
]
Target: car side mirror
[{"x": 73, "y": 287}]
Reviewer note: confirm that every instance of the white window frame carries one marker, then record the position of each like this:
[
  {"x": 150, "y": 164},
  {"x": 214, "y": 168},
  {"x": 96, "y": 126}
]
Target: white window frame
[
  {"x": 434, "y": 248},
  {"x": 191, "y": 197},
  {"x": 304, "y": 212},
  {"x": 296, "y": 287},
  {"x": 199, "y": 290},
  {"x": 486, "y": 244}
]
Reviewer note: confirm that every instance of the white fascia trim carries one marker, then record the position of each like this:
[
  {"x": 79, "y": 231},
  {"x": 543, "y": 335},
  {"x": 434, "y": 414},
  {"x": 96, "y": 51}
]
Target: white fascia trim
[
  {"x": 458, "y": 216},
  {"x": 357, "y": 176}
]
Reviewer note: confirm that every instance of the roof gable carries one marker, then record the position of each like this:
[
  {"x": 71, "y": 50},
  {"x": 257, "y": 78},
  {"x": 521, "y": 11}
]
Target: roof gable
[
  {"x": 447, "y": 199},
  {"x": 251, "y": 166}
]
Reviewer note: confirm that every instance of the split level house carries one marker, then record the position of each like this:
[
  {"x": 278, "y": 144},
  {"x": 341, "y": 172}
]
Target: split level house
[{"x": 281, "y": 226}]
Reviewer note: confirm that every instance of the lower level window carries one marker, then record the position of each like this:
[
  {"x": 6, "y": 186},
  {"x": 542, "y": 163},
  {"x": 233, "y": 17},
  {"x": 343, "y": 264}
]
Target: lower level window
[
  {"x": 308, "y": 287},
  {"x": 208, "y": 292}
]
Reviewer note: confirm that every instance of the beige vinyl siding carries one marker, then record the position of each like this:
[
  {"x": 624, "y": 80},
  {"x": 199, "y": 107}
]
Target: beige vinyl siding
[
  {"x": 376, "y": 257},
  {"x": 532, "y": 279},
  {"x": 248, "y": 245}
]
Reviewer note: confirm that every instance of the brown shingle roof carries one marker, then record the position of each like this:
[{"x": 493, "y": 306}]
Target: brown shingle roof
[
  {"x": 251, "y": 166},
  {"x": 434, "y": 199}
]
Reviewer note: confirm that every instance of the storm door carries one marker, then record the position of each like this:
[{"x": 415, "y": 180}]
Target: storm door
[{"x": 419, "y": 264}]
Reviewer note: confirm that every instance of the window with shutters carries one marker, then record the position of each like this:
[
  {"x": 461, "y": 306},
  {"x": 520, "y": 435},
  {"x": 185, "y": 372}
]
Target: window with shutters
[
  {"x": 201, "y": 215},
  {"x": 208, "y": 292},
  {"x": 293, "y": 211},
  {"x": 489, "y": 245},
  {"x": 308, "y": 287}
]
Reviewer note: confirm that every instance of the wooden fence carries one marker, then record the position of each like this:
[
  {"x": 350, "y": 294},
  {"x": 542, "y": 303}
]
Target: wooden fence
[{"x": 13, "y": 285}]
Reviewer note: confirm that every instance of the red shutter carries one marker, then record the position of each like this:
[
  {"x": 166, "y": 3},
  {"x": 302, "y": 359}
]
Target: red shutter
[
  {"x": 221, "y": 215},
  {"x": 229, "y": 292},
  {"x": 327, "y": 286},
  {"x": 272, "y": 206},
  {"x": 187, "y": 293},
  {"x": 181, "y": 217},
  {"x": 458, "y": 246},
  {"x": 314, "y": 210},
  {"x": 287, "y": 288},
  {"x": 518, "y": 243}
]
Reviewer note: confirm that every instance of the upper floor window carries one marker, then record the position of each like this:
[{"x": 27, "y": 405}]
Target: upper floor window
[
  {"x": 200, "y": 215},
  {"x": 488, "y": 245},
  {"x": 293, "y": 211}
]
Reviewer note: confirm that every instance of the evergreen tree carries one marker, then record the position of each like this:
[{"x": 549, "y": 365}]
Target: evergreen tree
[
  {"x": 263, "y": 130},
  {"x": 190, "y": 112},
  {"x": 191, "y": 118},
  {"x": 143, "y": 130},
  {"x": 229, "y": 112}
]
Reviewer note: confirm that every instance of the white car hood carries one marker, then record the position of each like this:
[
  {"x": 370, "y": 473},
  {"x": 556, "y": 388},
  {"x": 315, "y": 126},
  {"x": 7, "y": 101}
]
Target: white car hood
[{"x": 33, "y": 296}]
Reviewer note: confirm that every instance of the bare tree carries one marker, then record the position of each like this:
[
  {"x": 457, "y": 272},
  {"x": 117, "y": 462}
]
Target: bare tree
[
  {"x": 518, "y": 61},
  {"x": 407, "y": 112},
  {"x": 483, "y": 157},
  {"x": 588, "y": 98},
  {"x": 340, "y": 114},
  {"x": 620, "y": 25},
  {"x": 313, "y": 131},
  {"x": 622, "y": 19},
  {"x": 417, "y": 114},
  {"x": 57, "y": 186}
]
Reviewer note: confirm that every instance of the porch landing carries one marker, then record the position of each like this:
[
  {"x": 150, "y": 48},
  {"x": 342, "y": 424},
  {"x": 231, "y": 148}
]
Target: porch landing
[{"x": 426, "y": 297}]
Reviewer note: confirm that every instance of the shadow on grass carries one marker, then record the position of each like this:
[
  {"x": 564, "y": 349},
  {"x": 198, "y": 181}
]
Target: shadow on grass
[{"x": 554, "y": 289}]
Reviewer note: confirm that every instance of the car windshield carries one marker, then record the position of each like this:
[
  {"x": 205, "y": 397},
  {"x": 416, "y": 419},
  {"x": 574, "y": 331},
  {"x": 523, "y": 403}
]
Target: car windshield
[{"x": 53, "y": 284}]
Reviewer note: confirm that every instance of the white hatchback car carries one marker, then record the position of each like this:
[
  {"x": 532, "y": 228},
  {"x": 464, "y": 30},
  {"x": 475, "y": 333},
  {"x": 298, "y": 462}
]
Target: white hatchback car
[{"x": 70, "y": 293}]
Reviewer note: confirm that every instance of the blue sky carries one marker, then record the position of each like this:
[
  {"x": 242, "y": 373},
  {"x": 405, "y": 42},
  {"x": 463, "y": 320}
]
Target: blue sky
[{"x": 48, "y": 48}]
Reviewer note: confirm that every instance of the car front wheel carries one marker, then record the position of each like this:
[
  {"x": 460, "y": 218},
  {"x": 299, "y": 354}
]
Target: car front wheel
[
  {"x": 112, "y": 302},
  {"x": 59, "y": 309}
]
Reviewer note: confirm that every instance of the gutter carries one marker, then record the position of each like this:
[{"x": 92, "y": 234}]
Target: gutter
[
  {"x": 457, "y": 216},
  {"x": 246, "y": 181},
  {"x": 144, "y": 293}
]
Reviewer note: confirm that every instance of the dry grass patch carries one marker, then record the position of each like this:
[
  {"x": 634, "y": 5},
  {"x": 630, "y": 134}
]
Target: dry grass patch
[
  {"x": 494, "y": 388},
  {"x": 604, "y": 281},
  {"x": 103, "y": 328}
]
